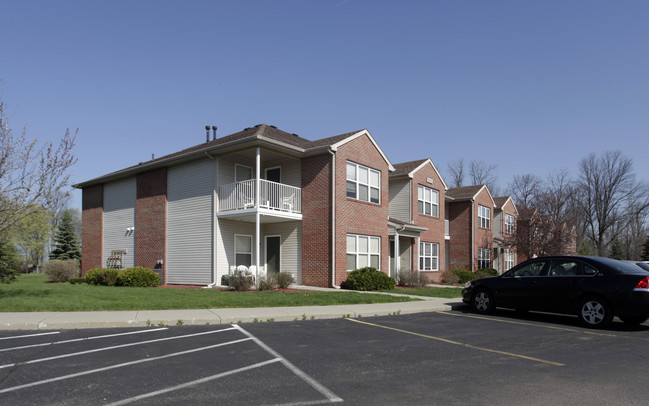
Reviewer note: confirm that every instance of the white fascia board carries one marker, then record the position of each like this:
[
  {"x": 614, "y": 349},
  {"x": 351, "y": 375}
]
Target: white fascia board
[{"x": 352, "y": 137}]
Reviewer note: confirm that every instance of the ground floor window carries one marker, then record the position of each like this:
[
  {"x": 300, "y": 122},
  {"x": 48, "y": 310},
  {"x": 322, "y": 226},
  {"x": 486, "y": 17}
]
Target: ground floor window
[
  {"x": 362, "y": 251},
  {"x": 428, "y": 256},
  {"x": 484, "y": 258},
  {"x": 243, "y": 250},
  {"x": 509, "y": 260}
]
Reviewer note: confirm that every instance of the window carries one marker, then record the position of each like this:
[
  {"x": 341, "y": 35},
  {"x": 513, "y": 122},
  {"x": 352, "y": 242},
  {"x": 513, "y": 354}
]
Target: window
[
  {"x": 484, "y": 217},
  {"x": 533, "y": 269},
  {"x": 428, "y": 201},
  {"x": 242, "y": 172},
  {"x": 243, "y": 250},
  {"x": 509, "y": 260},
  {"x": 363, "y": 183},
  {"x": 484, "y": 258},
  {"x": 362, "y": 251},
  {"x": 509, "y": 224},
  {"x": 428, "y": 256}
]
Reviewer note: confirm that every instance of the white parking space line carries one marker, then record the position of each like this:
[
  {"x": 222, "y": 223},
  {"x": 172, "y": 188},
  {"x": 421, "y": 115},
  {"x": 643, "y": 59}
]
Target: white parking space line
[
  {"x": 195, "y": 382},
  {"x": 82, "y": 339},
  {"x": 74, "y": 354},
  {"x": 30, "y": 335},
  {"x": 331, "y": 397},
  {"x": 125, "y": 364}
]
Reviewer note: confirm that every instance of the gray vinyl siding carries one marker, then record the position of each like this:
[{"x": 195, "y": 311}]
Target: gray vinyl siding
[
  {"x": 119, "y": 215},
  {"x": 290, "y": 233},
  {"x": 400, "y": 199},
  {"x": 190, "y": 191}
]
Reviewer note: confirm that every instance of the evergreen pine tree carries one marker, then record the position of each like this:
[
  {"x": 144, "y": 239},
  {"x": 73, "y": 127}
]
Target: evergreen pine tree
[
  {"x": 66, "y": 243},
  {"x": 8, "y": 261},
  {"x": 645, "y": 250},
  {"x": 616, "y": 250}
]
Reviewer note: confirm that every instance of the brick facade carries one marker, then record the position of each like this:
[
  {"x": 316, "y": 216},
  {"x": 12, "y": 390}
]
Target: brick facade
[
  {"x": 354, "y": 216},
  {"x": 483, "y": 237},
  {"x": 92, "y": 213},
  {"x": 435, "y": 232},
  {"x": 460, "y": 223},
  {"x": 316, "y": 220},
  {"x": 151, "y": 220}
]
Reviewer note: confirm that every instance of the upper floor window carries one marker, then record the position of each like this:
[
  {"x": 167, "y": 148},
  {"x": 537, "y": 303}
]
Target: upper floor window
[
  {"x": 484, "y": 217},
  {"x": 363, "y": 183},
  {"x": 509, "y": 260},
  {"x": 509, "y": 224},
  {"x": 428, "y": 200}
]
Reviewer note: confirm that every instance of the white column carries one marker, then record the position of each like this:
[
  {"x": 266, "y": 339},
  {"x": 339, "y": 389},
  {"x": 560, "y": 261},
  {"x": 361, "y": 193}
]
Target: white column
[
  {"x": 257, "y": 197},
  {"x": 397, "y": 256}
]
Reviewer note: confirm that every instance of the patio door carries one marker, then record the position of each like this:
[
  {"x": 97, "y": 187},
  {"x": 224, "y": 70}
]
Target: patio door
[{"x": 273, "y": 253}]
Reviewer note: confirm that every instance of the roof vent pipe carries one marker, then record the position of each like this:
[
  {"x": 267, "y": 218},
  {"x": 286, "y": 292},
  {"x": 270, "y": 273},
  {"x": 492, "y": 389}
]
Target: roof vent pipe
[
  {"x": 214, "y": 132},
  {"x": 207, "y": 133}
]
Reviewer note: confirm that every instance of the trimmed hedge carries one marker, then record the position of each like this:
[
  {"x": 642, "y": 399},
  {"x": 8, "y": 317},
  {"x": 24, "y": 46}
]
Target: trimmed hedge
[
  {"x": 102, "y": 276},
  {"x": 58, "y": 270},
  {"x": 138, "y": 276},
  {"x": 465, "y": 275},
  {"x": 486, "y": 272},
  {"x": 368, "y": 278}
]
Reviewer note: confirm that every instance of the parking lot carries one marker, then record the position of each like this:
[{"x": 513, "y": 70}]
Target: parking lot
[{"x": 451, "y": 357}]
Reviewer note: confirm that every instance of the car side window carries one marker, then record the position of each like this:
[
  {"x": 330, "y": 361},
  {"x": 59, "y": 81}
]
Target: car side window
[
  {"x": 564, "y": 267},
  {"x": 533, "y": 269},
  {"x": 589, "y": 270}
]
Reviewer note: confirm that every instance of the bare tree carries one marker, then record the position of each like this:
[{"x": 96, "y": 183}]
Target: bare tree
[
  {"x": 483, "y": 173},
  {"x": 456, "y": 170},
  {"x": 610, "y": 197},
  {"x": 525, "y": 189},
  {"x": 30, "y": 176}
]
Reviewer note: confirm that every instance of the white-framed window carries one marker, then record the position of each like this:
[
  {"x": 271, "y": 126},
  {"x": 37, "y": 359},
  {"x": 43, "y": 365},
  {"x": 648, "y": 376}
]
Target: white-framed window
[
  {"x": 242, "y": 172},
  {"x": 362, "y": 251},
  {"x": 509, "y": 260},
  {"x": 363, "y": 183},
  {"x": 242, "y": 250},
  {"x": 484, "y": 258},
  {"x": 428, "y": 256},
  {"x": 484, "y": 216},
  {"x": 428, "y": 201},
  {"x": 509, "y": 224}
]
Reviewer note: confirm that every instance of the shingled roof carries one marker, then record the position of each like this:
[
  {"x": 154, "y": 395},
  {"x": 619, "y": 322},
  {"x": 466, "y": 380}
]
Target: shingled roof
[
  {"x": 464, "y": 192},
  {"x": 405, "y": 168}
]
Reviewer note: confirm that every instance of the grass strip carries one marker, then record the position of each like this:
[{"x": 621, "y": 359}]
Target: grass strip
[{"x": 31, "y": 293}]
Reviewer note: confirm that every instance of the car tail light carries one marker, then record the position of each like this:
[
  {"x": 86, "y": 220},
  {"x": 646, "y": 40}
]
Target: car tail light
[{"x": 643, "y": 284}]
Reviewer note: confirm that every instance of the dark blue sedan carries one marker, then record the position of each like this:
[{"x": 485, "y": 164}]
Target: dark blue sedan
[{"x": 593, "y": 288}]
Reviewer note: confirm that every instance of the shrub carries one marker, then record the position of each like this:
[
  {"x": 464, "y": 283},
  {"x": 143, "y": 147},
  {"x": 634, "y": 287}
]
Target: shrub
[
  {"x": 412, "y": 279},
  {"x": 58, "y": 270},
  {"x": 241, "y": 280},
  {"x": 450, "y": 278},
  {"x": 267, "y": 282},
  {"x": 74, "y": 281},
  {"x": 368, "y": 278},
  {"x": 465, "y": 275},
  {"x": 284, "y": 280},
  {"x": 486, "y": 272},
  {"x": 138, "y": 276},
  {"x": 102, "y": 276}
]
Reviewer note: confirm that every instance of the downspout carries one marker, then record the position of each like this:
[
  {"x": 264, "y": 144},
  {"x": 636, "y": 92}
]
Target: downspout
[
  {"x": 214, "y": 209},
  {"x": 333, "y": 219},
  {"x": 472, "y": 237}
]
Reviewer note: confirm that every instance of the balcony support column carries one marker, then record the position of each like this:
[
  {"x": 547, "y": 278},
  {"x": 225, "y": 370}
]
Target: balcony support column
[{"x": 257, "y": 199}]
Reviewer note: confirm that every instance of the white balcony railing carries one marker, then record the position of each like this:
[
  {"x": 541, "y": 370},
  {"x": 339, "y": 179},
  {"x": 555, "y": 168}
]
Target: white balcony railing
[{"x": 273, "y": 196}]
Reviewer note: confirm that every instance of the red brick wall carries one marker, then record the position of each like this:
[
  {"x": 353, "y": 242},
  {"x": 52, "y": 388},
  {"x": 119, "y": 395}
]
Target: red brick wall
[
  {"x": 483, "y": 237},
  {"x": 435, "y": 225},
  {"x": 151, "y": 219},
  {"x": 316, "y": 220},
  {"x": 460, "y": 230},
  {"x": 511, "y": 210},
  {"x": 92, "y": 218},
  {"x": 354, "y": 216}
]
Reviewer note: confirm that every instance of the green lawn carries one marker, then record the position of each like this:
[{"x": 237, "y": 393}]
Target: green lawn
[
  {"x": 448, "y": 293},
  {"x": 30, "y": 293}
]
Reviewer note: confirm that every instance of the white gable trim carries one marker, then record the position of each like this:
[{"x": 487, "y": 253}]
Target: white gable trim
[
  {"x": 352, "y": 137},
  {"x": 411, "y": 174}
]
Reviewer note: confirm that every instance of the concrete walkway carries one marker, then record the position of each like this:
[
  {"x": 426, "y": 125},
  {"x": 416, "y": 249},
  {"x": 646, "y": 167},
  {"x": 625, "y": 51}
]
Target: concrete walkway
[{"x": 142, "y": 318}]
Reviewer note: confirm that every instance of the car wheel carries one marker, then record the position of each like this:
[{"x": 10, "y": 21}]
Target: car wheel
[
  {"x": 595, "y": 312},
  {"x": 634, "y": 320},
  {"x": 483, "y": 302}
]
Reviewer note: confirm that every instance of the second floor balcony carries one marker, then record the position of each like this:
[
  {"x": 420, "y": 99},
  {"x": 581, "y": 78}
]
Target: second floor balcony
[{"x": 273, "y": 197}]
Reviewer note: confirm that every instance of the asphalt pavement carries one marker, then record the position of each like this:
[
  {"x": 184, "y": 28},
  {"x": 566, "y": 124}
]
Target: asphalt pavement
[{"x": 138, "y": 318}]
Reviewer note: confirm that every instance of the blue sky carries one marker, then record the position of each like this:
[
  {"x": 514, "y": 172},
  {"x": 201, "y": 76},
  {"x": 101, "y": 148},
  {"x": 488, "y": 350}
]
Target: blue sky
[{"x": 532, "y": 86}]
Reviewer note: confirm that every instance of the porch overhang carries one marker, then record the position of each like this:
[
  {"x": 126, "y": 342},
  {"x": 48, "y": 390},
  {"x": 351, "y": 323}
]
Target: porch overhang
[
  {"x": 265, "y": 215},
  {"x": 404, "y": 229}
]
